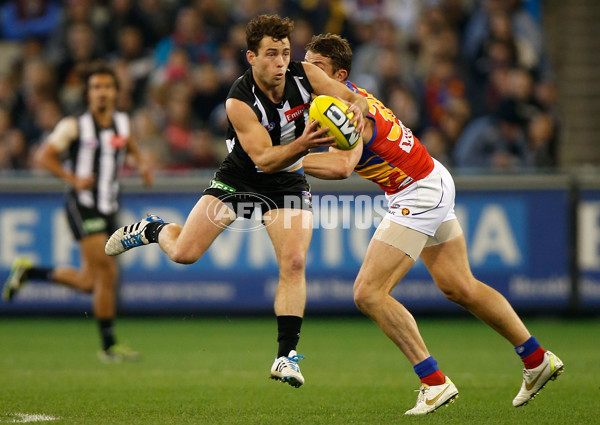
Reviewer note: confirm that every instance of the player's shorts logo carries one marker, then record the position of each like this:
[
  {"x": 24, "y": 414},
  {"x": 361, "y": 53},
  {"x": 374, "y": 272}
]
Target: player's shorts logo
[{"x": 405, "y": 211}]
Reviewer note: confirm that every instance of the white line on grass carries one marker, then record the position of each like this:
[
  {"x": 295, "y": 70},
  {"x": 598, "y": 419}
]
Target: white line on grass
[{"x": 22, "y": 418}]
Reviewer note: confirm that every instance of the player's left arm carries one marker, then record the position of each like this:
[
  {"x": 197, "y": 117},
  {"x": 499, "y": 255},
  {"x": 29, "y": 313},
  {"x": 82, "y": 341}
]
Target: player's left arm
[
  {"x": 335, "y": 164},
  {"x": 322, "y": 84},
  {"x": 133, "y": 151}
]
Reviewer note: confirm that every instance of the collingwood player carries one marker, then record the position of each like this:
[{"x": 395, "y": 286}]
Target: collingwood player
[
  {"x": 94, "y": 146},
  {"x": 268, "y": 136}
]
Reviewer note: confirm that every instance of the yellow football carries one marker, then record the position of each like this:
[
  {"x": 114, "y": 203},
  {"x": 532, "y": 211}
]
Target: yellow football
[{"x": 331, "y": 113}]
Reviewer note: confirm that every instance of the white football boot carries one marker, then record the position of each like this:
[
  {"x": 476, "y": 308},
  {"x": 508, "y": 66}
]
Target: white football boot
[
  {"x": 535, "y": 379},
  {"x": 16, "y": 279},
  {"x": 432, "y": 397},
  {"x": 286, "y": 369},
  {"x": 128, "y": 237}
]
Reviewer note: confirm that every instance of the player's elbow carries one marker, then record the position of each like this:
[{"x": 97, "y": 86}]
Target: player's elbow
[
  {"x": 268, "y": 168},
  {"x": 342, "y": 170},
  {"x": 345, "y": 172}
]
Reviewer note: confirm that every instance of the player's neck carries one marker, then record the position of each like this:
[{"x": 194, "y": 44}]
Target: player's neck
[{"x": 103, "y": 118}]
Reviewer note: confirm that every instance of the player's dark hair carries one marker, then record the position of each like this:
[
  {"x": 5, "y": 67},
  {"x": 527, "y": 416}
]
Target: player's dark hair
[
  {"x": 334, "y": 47},
  {"x": 99, "y": 69},
  {"x": 271, "y": 25}
]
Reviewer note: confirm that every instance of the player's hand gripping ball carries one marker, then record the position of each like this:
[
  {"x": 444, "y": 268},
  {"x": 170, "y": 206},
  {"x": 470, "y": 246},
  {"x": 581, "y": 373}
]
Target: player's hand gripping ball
[{"x": 331, "y": 113}]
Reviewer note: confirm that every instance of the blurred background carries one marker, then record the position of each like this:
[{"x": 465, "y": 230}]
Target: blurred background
[{"x": 505, "y": 93}]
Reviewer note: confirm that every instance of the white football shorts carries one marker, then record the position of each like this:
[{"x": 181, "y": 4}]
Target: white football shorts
[{"x": 425, "y": 204}]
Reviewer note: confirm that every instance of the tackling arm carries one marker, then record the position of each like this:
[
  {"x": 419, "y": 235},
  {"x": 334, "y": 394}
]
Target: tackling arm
[
  {"x": 333, "y": 165},
  {"x": 323, "y": 84}
]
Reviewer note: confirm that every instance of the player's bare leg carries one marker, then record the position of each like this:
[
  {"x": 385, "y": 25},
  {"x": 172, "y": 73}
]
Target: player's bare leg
[
  {"x": 98, "y": 275},
  {"x": 372, "y": 289},
  {"x": 93, "y": 264},
  {"x": 186, "y": 244},
  {"x": 383, "y": 267},
  {"x": 290, "y": 231},
  {"x": 448, "y": 264}
]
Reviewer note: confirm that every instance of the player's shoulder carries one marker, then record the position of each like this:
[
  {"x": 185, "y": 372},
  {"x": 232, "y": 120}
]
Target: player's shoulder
[
  {"x": 69, "y": 123},
  {"x": 242, "y": 88},
  {"x": 296, "y": 68}
]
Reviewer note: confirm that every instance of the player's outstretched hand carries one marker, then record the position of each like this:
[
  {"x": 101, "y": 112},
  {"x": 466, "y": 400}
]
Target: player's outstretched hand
[{"x": 358, "y": 119}]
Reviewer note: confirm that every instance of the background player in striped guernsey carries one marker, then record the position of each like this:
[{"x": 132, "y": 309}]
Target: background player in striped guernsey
[
  {"x": 95, "y": 145},
  {"x": 268, "y": 136},
  {"x": 420, "y": 222}
]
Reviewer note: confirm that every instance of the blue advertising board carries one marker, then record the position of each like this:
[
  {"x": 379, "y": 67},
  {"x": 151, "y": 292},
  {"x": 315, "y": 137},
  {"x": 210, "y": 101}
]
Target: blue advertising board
[
  {"x": 517, "y": 244},
  {"x": 589, "y": 250}
]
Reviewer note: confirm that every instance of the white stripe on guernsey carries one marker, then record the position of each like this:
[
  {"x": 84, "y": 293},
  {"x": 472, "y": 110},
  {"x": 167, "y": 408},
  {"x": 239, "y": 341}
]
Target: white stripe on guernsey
[
  {"x": 106, "y": 168},
  {"x": 305, "y": 94},
  {"x": 288, "y": 132},
  {"x": 85, "y": 157},
  {"x": 123, "y": 126},
  {"x": 21, "y": 418},
  {"x": 108, "y": 186},
  {"x": 264, "y": 119}
]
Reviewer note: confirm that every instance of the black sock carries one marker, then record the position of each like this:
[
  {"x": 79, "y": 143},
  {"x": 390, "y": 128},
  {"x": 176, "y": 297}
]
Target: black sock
[
  {"x": 152, "y": 230},
  {"x": 106, "y": 333},
  {"x": 288, "y": 333},
  {"x": 40, "y": 273}
]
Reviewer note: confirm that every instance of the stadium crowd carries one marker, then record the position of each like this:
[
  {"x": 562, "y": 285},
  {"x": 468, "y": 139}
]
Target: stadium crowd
[{"x": 471, "y": 78}]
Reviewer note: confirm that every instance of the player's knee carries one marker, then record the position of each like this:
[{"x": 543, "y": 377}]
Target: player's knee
[
  {"x": 460, "y": 291},
  {"x": 86, "y": 283},
  {"x": 365, "y": 297},
  {"x": 293, "y": 264},
  {"x": 183, "y": 256}
]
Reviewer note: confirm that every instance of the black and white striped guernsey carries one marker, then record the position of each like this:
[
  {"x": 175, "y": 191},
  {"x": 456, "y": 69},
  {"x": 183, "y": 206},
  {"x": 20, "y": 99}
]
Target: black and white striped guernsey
[
  {"x": 99, "y": 152},
  {"x": 285, "y": 121}
]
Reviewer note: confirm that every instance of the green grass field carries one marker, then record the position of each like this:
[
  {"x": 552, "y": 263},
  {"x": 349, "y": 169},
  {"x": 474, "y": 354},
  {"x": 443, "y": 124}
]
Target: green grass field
[{"x": 214, "y": 371}]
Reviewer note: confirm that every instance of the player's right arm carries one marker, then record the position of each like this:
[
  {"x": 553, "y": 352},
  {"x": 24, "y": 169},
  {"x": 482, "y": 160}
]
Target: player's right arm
[
  {"x": 333, "y": 165},
  {"x": 48, "y": 156},
  {"x": 256, "y": 142}
]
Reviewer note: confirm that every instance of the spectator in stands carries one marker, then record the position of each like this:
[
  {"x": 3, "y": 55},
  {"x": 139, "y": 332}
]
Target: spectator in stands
[
  {"x": 179, "y": 125},
  {"x": 435, "y": 142},
  {"x": 201, "y": 44},
  {"x": 202, "y": 152},
  {"x": 47, "y": 115},
  {"x": 157, "y": 16},
  {"x": 207, "y": 91},
  {"x": 123, "y": 13},
  {"x": 38, "y": 85},
  {"x": 18, "y": 152},
  {"x": 217, "y": 18},
  {"x": 541, "y": 135},
  {"x": 152, "y": 143},
  {"x": 404, "y": 104},
  {"x": 77, "y": 12},
  {"x": 495, "y": 142},
  {"x": 191, "y": 36},
  {"x": 22, "y": 19},
  {"x": 135, "y": 60}
]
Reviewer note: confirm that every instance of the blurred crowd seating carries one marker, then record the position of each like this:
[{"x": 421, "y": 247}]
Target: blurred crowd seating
[{"x": 470, "y": 77}]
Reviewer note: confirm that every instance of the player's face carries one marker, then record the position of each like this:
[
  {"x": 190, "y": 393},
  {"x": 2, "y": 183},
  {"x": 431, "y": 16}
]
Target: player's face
[
  {"x": 102, "y": 92},
  {"x": 324, "y": 63},
  {"x": 271, "y": 61}
]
